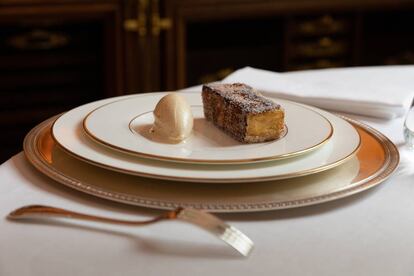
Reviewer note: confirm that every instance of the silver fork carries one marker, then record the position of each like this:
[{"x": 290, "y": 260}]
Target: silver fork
[{"x": 227, "y": 233}]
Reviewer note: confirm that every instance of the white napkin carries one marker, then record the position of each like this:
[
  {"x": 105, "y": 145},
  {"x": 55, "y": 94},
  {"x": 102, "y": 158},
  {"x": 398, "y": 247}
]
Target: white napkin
[{"x": 382, "y": 92}]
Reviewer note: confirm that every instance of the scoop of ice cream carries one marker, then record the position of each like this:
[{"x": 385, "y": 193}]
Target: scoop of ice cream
[{"x": 173, "y": 119}]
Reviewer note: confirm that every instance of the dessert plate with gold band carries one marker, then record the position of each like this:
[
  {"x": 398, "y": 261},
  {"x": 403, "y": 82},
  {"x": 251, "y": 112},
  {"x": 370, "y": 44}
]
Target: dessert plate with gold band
[
  {"x": 125, "y": 125},
  {"x": 68, "y": 133},
  {"x": 375, "y": 162}
]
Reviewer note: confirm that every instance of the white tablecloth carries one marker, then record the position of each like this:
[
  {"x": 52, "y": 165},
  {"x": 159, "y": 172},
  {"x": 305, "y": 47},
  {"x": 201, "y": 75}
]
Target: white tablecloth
[{"x": 371, "y": 233}]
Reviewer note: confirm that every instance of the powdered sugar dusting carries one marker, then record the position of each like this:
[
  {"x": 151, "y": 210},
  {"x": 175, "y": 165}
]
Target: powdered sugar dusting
[{"x": 248, "y": 99}]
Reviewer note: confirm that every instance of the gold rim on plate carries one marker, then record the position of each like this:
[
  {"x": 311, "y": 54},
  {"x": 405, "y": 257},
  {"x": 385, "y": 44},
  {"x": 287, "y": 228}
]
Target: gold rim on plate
[
  {"x": 68, "y": 133},
  {"x": 376, "y": 160},
  {"x": 208, "y": 180}
]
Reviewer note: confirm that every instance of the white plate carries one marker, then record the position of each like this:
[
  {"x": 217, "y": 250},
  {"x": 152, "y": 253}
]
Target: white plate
[
  {"x": 68, "y": 133},
  {"x": 125, "y": 125}
]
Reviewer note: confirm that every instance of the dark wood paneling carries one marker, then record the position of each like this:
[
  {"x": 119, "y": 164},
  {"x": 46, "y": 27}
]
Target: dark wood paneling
[
  {"x": 310, "y": 34},
  {"x": 53, "y": 58}
]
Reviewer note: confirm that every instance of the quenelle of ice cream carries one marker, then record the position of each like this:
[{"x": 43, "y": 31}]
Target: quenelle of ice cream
[{"x": 173, "y": 120}]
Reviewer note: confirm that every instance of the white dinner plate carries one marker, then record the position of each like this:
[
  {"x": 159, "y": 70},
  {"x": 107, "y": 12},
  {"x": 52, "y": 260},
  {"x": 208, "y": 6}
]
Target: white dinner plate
[
  {"x": 68, "y": 132},
  {"x": 125, "y": 125}
]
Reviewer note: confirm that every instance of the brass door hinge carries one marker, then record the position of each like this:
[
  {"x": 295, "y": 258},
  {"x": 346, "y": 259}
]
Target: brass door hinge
[
  {"x": 133, "y": 25},
  {"x": 159, "y": 24},
  {"x": 138, "y": 24}
]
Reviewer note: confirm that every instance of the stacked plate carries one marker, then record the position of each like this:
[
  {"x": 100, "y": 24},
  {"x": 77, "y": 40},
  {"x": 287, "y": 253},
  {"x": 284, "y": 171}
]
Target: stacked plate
[{"x": 105, "y": 149}]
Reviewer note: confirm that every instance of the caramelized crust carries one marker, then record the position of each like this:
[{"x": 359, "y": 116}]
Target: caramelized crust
[{"x": 242, "y": 112}]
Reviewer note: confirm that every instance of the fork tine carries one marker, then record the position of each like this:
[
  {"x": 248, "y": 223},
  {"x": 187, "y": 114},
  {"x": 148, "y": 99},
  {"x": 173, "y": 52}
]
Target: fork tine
[{"x": 227, "y": 233}]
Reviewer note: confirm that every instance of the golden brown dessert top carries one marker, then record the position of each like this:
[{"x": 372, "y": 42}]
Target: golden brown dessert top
[{"x": 242, "y": 95}]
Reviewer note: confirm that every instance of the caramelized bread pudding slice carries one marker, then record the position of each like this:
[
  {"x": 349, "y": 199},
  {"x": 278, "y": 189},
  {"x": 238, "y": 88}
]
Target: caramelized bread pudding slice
[{"x": 242, "y": 112}]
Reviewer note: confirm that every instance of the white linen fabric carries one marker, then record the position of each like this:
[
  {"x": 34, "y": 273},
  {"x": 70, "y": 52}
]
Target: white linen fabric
[
  {"x": 383, "y": 92},
  {"x": 370, "y": 233}
]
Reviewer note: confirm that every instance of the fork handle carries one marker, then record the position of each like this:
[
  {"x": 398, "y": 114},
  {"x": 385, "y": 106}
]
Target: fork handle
[
  {"x": 223, "y": 231},
  {"x": 36, "y": 211}
]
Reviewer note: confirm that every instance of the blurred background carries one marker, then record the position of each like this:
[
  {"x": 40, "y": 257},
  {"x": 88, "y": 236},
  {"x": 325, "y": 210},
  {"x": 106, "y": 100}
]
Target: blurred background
[{"x": 58, "y": 54}]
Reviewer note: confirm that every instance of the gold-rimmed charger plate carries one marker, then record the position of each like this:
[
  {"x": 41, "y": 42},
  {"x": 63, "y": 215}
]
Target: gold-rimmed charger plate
[
  {"x": 124, "y": 125},
  {"x": 375, "y": 162}
]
